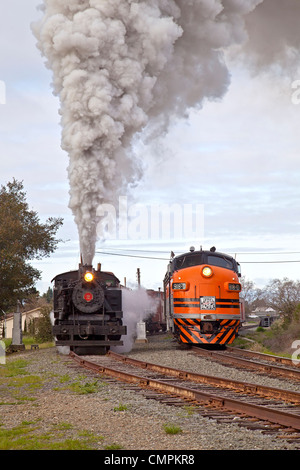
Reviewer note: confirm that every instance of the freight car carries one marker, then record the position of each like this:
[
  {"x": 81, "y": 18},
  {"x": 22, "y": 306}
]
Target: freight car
[
  {"x": 88, "y": 313},
  {"x": 202, "y": 297}
]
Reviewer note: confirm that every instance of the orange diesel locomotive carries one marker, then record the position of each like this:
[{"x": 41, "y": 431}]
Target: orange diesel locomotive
[{"x": 202, "y": 297}]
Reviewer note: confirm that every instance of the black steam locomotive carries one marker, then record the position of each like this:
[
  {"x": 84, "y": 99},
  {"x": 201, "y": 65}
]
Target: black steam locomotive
[{"x": 88, "y": 310}]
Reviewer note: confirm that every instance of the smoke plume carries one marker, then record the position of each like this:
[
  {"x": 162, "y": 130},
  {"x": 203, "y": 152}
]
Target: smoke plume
[
  {"x": 274, "y": 37},
  {"x": 127, "y": 68}
]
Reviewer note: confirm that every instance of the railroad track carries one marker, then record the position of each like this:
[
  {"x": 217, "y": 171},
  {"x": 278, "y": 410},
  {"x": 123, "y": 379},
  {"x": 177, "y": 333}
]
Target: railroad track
[
  {"x": 263, "y": 362},
  {"x": 264, "y": 357},
  {"x": 258, "y": 407}
]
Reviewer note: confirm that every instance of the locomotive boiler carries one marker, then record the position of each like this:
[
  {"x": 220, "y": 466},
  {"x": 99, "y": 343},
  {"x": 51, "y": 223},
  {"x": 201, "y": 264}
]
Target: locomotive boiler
[
  {"x": 88, "y": 313},
  {"x": 202, "y": 297}
]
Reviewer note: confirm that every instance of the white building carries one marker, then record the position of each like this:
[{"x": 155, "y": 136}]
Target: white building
[{"x": 26, "y": 316}]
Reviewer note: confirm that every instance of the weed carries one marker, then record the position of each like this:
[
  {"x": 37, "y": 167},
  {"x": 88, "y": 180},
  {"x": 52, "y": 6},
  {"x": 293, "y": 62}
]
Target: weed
[
  {"x": 63, "y": 426},
  {"x": 83, "y": 389},
  {"x": 24, "y": 437},
  {"x": 90, "y": 435},
  {"x": 64, "y": 378},
  {"x": 22, "y": 398},
  {"x": 172, "y": 429},
  {"x": 190, "y": 409},
  {"x": 121, "y": 407},
  {"x": 32, "y": 381},
  {"x": 14, "y": 368},
  {"x": 113, "y": 447}
]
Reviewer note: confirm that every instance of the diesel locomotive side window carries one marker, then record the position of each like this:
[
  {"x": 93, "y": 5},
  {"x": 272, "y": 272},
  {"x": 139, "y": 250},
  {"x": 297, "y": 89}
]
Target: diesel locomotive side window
[{"x": 220, "y": 261}]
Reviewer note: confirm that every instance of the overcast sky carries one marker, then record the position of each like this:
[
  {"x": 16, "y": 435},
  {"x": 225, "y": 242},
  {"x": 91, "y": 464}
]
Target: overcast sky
[{"x": 238, "y": 157}]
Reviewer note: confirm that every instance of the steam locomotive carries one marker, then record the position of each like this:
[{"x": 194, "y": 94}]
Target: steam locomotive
[
  {"x": 88, "y": 310},
  {"x": 202, "y": 297}
]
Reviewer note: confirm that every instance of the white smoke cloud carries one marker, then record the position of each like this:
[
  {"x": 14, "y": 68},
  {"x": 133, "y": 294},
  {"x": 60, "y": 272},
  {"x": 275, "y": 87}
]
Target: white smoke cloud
[
  {"x": 137, "y": 305},
  {"x": 121, "y": 67},
  {"x": 105, "y": 58}
]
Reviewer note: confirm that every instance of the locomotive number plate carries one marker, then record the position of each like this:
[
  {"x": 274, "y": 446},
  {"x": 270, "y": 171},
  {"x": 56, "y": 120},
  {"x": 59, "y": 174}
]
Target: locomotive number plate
[{"x": 207, "y": 303}]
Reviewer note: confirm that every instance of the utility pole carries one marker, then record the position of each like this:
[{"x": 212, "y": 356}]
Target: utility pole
[
  {"x": 141, "y": 325},
  {"x": 138, "y": 273}
]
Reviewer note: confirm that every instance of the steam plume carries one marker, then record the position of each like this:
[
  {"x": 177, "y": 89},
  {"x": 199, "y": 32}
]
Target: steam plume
[
  {"x": 137, "y": 306},
  {"x": 274, "y": 36},
  {"x": 125, "y": 66}
]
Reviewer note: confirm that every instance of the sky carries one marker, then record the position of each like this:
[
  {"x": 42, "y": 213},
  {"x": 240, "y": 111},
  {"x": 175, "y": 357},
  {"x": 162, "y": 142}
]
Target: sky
[{"x": 236, "y": 158}]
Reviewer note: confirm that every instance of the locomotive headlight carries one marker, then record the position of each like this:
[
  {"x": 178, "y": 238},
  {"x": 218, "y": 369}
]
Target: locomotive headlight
[
  {"x": 207, "y": 271},
  {"x": 88, "y": 277}
]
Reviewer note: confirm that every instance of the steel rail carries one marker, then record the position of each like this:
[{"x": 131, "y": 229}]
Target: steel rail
[
  {"x": 265, "y": 357},
  {"x": 246, "y": 387},
  {"x": 249, "y": 364},
  {"x": 261, "y": 412}
]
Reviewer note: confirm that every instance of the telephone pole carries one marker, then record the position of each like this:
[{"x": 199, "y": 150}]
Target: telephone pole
[{"x": 138, "y": 273}]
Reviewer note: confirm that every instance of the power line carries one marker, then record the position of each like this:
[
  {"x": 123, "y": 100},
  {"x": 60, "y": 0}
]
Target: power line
[
  {"x": 266, "y": 262},
  {"x": 231, "y": 252},
  {"x": 265, "y": 253},
  {"x": 167, "y": 259},
  {"x": 131, "y": 256}
]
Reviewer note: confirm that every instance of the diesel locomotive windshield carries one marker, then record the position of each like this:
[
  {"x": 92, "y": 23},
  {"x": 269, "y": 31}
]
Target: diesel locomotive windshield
[{"x": 203, "y": 257}]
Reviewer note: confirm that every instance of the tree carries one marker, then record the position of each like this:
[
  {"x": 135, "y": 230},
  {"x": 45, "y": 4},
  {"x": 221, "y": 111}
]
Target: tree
[
  {"x": 22, "y": 238},
  {"x": 43, "y": 331},
  {"x": 250, "y": 294},
  {"x": 48, "y": 296},
  {"x": 283, "y": 296}
]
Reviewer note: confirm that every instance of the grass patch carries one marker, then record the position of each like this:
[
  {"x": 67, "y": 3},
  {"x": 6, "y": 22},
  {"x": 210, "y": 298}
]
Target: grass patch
[
  {"x": 13, "y": 375},
  {"x": 31, "y": 381},
  {"x": 121, "y": 407},
  {"x": 64, "y": 378},
  {"x": 113, "y": 447},
  {"x": 26, "y": 437},
  {"x": 28, "y": 341},
  {"x": 84, "y": 388},
  {"x": 14, "y": 368},
  {"x": 172, "y": 429},
  {"x": 63, "y": 426},
  {"x": 277, "y": 339}
]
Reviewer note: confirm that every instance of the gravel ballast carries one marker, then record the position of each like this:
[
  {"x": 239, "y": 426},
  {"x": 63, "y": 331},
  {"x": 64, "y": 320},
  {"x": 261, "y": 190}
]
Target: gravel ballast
[{"x": 121, "y": 418}]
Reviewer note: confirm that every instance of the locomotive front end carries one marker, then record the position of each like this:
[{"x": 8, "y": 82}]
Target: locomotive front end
[
  {"x": 88, "y": 310},
  {"x": 203, "y": 298}
]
